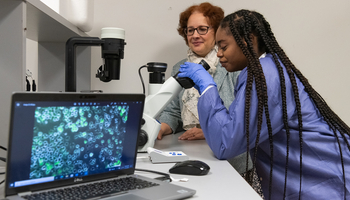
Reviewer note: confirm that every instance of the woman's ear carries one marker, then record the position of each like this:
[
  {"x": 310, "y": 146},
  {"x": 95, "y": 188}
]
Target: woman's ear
[
  {"x": 244, "y": 42},
  {"x": 252, "y": 36},
  {"x": 254, "y": 39}
]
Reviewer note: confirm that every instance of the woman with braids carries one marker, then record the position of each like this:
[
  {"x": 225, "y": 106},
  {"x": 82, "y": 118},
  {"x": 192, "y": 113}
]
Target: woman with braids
[
  {"x": 198, "y": 25},
  {"x": 299, "y": 146}
]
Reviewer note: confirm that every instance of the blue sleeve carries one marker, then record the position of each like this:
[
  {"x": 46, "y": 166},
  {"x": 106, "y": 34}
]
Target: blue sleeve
[{"x": 225, "y": 130}]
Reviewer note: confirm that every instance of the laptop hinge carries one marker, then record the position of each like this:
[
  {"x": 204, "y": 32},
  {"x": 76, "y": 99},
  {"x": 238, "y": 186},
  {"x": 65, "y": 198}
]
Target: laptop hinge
[{"x": 24, "y": 193}]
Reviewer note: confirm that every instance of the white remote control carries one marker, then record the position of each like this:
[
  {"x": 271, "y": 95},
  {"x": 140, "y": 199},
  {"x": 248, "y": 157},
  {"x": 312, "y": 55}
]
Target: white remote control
[{"x": 158, "y": 156}]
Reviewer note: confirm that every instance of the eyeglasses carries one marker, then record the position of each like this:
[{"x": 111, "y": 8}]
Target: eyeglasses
[{"x": 201, "y": 30}]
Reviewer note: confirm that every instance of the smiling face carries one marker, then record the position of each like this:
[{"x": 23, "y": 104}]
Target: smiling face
[
  {"x": 200, "y": 44},
  {"x": 230, "y": 54}
]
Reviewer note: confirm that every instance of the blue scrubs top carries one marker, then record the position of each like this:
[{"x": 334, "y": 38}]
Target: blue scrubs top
[{"x": 224, "y": 130}]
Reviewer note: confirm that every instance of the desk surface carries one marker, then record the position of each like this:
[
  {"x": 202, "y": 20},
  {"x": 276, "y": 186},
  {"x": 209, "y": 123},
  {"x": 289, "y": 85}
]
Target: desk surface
[{"x": 222, "y": 181}]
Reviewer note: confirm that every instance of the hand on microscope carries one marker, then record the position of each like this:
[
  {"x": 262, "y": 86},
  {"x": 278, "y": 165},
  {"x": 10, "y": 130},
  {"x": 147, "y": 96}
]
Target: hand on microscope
[
  {"x": 198, "y": 74},
  {"x": 193, "y": 134}
]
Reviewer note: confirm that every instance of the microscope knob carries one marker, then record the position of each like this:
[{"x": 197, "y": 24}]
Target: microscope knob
[{"x": 143, "y": 138}]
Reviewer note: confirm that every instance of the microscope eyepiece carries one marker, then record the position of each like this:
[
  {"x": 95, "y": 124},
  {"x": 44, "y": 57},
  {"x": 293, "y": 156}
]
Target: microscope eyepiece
[
  {"x": 204, "y": 64},
  {"x": 186, "y": 82}
]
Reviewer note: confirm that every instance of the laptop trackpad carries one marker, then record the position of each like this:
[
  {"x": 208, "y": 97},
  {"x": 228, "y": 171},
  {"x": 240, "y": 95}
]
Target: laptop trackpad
[{"x": 125, "y": 197}]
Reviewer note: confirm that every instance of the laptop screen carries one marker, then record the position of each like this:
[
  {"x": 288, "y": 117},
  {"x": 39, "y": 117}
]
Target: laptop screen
[{"x": 65, "y": 137}]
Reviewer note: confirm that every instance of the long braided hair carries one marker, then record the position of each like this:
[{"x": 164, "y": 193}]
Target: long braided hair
[{"x": 242, "y": 25}]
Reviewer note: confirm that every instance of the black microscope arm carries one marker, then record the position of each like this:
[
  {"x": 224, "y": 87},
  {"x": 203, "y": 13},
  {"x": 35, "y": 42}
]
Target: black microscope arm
[{"x": 71, "y": 72}]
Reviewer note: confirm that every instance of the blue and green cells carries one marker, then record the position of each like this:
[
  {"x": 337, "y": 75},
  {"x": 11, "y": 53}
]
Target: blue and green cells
[{"x": 79, "y": 139}]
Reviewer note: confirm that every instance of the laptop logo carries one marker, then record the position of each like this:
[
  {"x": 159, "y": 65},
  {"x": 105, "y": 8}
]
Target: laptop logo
[{"x": 78, "y": 180}]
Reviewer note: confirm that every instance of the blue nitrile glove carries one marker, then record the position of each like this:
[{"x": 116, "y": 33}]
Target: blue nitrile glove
[{"x": 198, "y": 74}]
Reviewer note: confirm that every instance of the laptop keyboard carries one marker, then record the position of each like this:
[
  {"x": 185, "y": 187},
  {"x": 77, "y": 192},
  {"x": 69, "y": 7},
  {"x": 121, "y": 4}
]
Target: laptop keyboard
[{"x": 93, "y": 190}]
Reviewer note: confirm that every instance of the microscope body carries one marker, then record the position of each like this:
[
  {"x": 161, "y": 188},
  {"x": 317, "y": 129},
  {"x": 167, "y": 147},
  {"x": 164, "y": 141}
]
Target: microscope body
[{"x": 160, "y": 95}]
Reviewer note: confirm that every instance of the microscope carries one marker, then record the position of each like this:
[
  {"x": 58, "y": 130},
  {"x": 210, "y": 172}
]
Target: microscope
[{"x": 160, "y": 94}]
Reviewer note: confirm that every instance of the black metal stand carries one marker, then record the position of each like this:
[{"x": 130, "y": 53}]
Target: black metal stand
[{"x": 71, "y": 72}]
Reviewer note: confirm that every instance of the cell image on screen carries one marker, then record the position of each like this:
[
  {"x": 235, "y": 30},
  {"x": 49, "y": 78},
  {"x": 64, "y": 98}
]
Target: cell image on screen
[{"x": 81, "y": 139}]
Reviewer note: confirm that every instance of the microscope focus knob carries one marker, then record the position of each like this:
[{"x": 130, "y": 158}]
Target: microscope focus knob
[{"x": 143, "y": 138}]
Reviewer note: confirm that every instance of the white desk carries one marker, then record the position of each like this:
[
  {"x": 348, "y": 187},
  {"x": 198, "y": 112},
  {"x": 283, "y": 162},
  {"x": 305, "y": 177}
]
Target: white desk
[{"x": 222, "y": 181}]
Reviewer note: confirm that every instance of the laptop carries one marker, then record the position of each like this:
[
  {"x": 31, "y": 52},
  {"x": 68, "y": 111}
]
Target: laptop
[{"x": 78, "y": 145}]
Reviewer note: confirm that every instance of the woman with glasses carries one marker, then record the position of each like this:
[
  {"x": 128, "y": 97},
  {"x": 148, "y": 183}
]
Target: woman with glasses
[{"x": 198, "y": 25}]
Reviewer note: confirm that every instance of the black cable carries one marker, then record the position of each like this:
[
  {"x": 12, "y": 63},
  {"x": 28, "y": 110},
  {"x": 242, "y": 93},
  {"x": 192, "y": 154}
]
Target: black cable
[
  {"x": 143, "y": 85},
  {"x": 3, "y": 159},
  {"x": 166, "y": 176},
  {"x": 28, "y": 84},
  {"x": 33, "y": 86}
]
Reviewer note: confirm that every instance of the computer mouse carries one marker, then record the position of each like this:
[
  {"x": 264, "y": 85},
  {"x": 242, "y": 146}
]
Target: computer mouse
[{"x": 190, "y": 167}]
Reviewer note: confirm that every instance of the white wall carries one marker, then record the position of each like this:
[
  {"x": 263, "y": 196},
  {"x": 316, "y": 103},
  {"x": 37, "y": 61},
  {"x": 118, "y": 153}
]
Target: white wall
[{"x": 315, "y": 35}]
